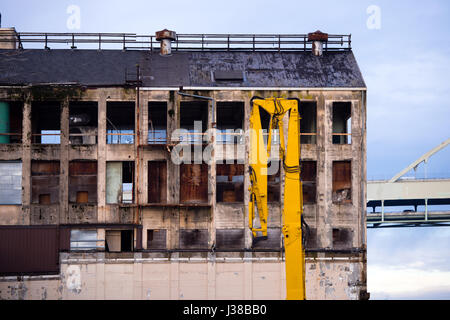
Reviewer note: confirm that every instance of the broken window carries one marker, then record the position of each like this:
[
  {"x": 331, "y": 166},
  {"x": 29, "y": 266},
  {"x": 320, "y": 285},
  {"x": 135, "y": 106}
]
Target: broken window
[
  {"x": 342, "y": 123},
  {"x": 157, "y": 122},
  {"x": 10, "y": 182},
  {"x": 120, "y": 121},
  {"x": 342, "y": 182},
  {"x": 273, "y": 182},
  {"x": 230, "y": 118},
  {"x": 83, "y": 182},
  {"x": 156, "y": 239},
  {"x": 10, "y": 122},
  {"x": 119, "y": 182},
  {"x": 194, "y": 119},
  {"x": 44, "y": 182},
  {"x": 230, "y": 239},
  {"x": 193, "y": 238},
  {"x": 157, "y": 181},
  {"x": 308, "y": 122},
  {"x": 83, "y": 239},
  {"x": 46, "y": 122},
  {"x": 342, "y": 238},
  {"x": 193, "y": 183},
  {"x": 229, "y": 182},
  {"x": 83, "y": 123},
  {"x": 119, "y": 240},
  {"x": 308, "y": 178}
]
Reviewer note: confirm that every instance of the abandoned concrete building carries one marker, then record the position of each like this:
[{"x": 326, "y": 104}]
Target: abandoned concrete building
[{"x": 93, "y": 205}]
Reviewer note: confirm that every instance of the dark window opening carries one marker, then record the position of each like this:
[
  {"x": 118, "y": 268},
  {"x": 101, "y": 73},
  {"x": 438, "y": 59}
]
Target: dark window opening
[
  {"x": 45, "y": 182},
  {"x": 229, "y": 75},
  {"x": 311, "y": 238},
  {"x": 157, "y": 182},
  {"x": 342, "y": 182},
  {"x": 230, "y": 239},
  {"x": 193, "y": 238},
  {"x": 156, "y": 239},
  {"x": 308, "y": 177},
  {"x": 119, "y": 240},
  {"x": 119, "y": 182},
  {"x": 11, "y": 115},
  {"x": 83, "y": 182},
  {"x": 157, "y": 122},
  {"x": 193, "y": 183},
  {"x": 229, "y": 182},
  {"x": 120, "y": 122},
  {"x": 83, "y": 123},
  {"x": 230, "y": 118},
  {"x": 273, "y": 240},
  {"x": 46, "y": 122},
  {"x": 273, "y": 183},
  {"x": 342, "y": 238},
  {"x": 308, "y": 122},
  {"x": 342, "y": 123},
  {"x": 194, "y": 119}
]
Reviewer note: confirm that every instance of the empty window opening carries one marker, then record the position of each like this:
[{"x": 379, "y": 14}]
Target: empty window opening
[
  {"x": 84, "y": 240},
  {"x": 227, "y": 239},
  {"x": 10, "y": 182},
  {"x": 342, "y": 238},
  {"x": 308, "y": 122},
  {"x": 342, "y": 123},
  {"x": 193, "y": 183},
  {"x": 83, "y": 182},
  {"x": 157, "y": 122},
  {"x": 229, "y": 182},
  {"x": 193, "y": 239},
  {"x": 273, "y": 240},
  {"x": 230, "y": 118},
  {"x": 273, "y": 183},
  {"x": 342, "y": 182},
  {"x": 120, "y": 122},
  {"x": 157, "y": 182},
  {"x": 119, "y": 182},
  {"x": 46, "y": 122},
  {"x": 194, "y": 119},
  {"x": 310, "y": 237},
  {"x": 11, "y": 122},
  {"x": 308, "y": 177},
  {"x": 83, "y": 123},
  {"x": 119, "y": 240},
  {"x": 156, "y": 239},
  {"x": 45, "y": 182}
]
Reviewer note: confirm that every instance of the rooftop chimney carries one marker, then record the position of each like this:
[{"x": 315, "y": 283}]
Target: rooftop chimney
[
  {"x": 317, "y": 38},
  {"x": 8, "y": 38},
  {"x": 166, "y": 37}
]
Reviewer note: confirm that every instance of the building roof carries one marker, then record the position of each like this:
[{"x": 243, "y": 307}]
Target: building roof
[{"x": 334, "y": 69}]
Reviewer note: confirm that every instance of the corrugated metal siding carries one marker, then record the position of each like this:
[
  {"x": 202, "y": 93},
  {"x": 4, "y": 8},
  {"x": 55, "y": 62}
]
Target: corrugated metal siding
[
  {"x": 10, "y": 182},
  {"x": 29, "y": 250}
]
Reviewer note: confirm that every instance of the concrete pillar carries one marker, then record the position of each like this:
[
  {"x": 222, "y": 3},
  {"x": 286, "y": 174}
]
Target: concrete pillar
[
  {"x": 26, "y": 161},
  {"x": 64, "y": 164},
  {"x": 101, "y": 159},
  {"x": 174, "y": 277}
]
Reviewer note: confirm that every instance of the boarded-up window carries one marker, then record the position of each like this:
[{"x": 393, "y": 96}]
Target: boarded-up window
[
  {"x": 46, "y": 122},
  {"x": 156, "y": 239},
  {"x": 119, "y": 240},
  {"x": 342, "y": 124},
  {"x": 83, "y": 122},
  {"x": 342, "y": 182},
  {"x": 120, "y": 120},
  {"x": 119, "y": 182},
  {"x": 273, "y": 183},
  {"x": 193, "y": 238},
  {"x": 229, "y": 182},
  {"x": 157, "y": 181},
  {"x": 45, "y": 182},
  {"x": 308, "y": 178},
  {"x": 10, "y": 182},
  {"x": 157, "y": 122},
  {"x": 83, "y": 182},
  {"x": 342, "y": 238},
  {"x": 308, "y": 122},
  {"x": 193, "y": 183},
  {"x": 230, "y": 239},
  {"x": 273, "y": 240}
]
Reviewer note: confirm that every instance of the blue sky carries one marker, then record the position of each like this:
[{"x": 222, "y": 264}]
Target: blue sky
[{"x": 405, "y": 63}]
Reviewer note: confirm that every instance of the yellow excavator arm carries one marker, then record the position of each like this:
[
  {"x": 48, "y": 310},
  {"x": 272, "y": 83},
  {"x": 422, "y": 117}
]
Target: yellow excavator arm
[{"x": 259, "y": 155}]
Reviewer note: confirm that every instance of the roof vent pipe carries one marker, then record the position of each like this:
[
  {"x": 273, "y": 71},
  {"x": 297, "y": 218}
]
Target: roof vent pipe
[
  {"x": 166, "y": 37},
  {"x": 317, "y": 38}
]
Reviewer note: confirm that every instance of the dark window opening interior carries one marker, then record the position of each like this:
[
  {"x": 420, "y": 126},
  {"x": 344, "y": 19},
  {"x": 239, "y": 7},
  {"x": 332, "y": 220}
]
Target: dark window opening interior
[
  {"x": 119, "y": 240},
  {"x": 83, "y": 182},
  {"x": 311, "y": 238},
  {"x": 308, "y": 177},
  {"x": 156, "y": 239},
  {"x": 157, "y": 122},
  {"x": 230, "y": 239},
  {"x": 273, "y": 240},
  {"x": 265, "y": 125},
  {"x": 342, "y": 182},
  {"x": 120, "y": 121},
  {"x": 193, "y": 183},
  {"x": 342, "y": 238},
  {"x": 46, "y": 122},
  {"x": 342, "y": 123},
  {"x": 229, "y": 182},
  {"x": 11, "y": 115},
  {"x": 120, "y": 182},
  {"x": 191, "y": 112},
  {"x": 83, "y": 123},
  {"x": 273, "y": 183},
  {"x": 44, "y": 182},
  {"x": 230, "y": 118},
  {"x": 193, "y": 238},
  {"x": 157, "y": 182},
  {"x": 308, "y": 122}
]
